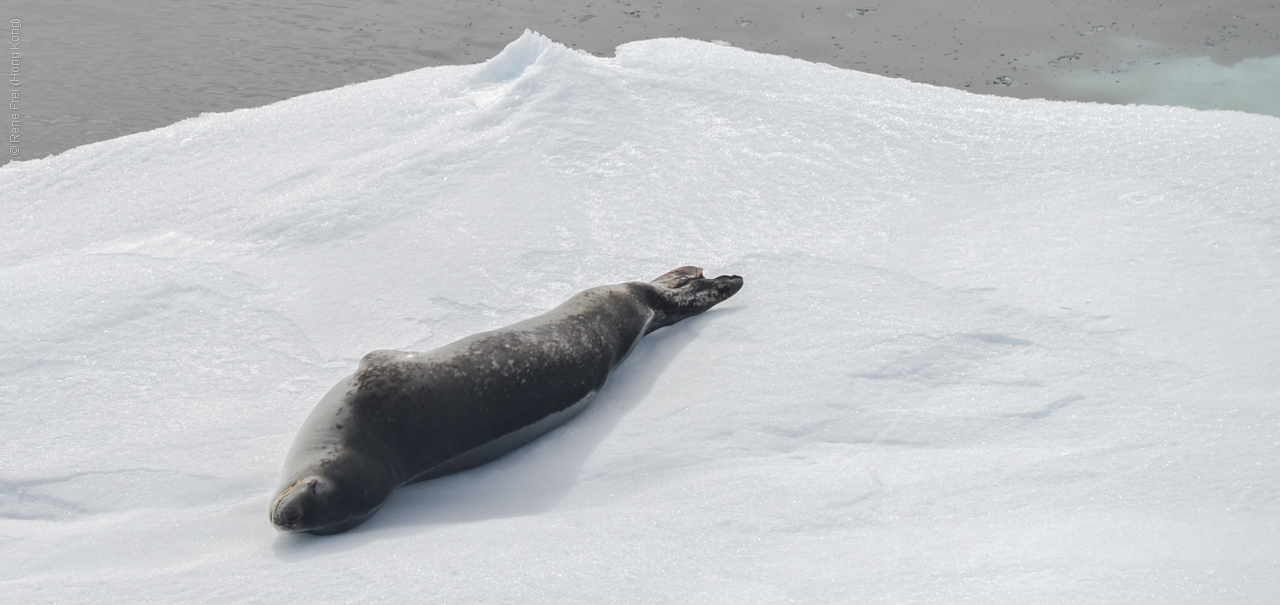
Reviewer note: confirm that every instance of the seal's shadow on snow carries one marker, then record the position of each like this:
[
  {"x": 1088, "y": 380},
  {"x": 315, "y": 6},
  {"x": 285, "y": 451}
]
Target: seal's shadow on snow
[{"x": 527, "y": 481}]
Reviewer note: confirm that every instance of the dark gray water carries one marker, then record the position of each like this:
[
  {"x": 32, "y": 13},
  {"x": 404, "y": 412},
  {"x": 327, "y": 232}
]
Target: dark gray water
[{"x": 95, "y": 70}]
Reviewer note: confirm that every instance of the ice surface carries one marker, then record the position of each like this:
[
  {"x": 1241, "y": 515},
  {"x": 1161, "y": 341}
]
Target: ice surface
[{"x": 988, "y": 350}]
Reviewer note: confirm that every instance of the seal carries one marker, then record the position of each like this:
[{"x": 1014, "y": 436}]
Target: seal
[{"x": 405, "y": 417}]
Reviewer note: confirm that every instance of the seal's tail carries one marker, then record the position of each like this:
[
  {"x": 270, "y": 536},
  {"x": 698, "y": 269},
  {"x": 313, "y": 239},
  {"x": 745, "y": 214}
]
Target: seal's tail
[{"x": 683, "y": 292}]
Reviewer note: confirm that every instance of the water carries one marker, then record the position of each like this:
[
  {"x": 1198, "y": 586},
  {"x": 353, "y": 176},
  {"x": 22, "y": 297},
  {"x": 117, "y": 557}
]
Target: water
[{"x": 92, "y": 71}]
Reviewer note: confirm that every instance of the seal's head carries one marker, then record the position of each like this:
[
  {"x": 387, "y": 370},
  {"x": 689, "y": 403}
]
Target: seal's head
[
  {"x": 323, "y": 503},
  {"x": 304, "y": 505}
]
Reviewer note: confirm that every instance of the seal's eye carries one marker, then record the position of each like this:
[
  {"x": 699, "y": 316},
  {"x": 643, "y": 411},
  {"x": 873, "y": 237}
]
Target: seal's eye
[{"x": 319, "y": 486}]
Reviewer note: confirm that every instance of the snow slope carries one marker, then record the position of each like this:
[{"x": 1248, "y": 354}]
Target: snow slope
[{"x": 988, "y": 350}]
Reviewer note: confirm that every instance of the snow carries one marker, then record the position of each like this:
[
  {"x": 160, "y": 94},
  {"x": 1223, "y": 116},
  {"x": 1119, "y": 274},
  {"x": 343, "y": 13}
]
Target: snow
[{"x": 988, "y": 350}]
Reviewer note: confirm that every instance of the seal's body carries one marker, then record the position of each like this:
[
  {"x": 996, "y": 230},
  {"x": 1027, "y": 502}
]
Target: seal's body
[{"x": 406, "y": 417}]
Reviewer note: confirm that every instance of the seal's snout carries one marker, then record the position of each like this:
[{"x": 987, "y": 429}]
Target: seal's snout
[
  {"x": 288, "y": 516},
  {"x": 289, "y": 512}
]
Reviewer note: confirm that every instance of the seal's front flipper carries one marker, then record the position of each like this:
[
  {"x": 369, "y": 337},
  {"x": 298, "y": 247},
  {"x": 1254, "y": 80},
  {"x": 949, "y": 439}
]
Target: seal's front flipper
[{"x": 684, "y": 292}]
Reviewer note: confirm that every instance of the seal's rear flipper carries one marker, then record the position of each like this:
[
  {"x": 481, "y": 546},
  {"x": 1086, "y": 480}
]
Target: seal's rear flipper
[{"x": 684, "y": 292}]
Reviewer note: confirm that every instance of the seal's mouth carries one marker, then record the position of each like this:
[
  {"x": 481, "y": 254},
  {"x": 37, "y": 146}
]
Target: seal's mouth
[{"x": 284, "y": 517}]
